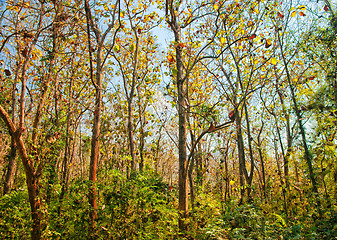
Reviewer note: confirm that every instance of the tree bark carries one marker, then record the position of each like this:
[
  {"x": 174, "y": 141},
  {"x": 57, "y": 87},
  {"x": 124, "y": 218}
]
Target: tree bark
[
  {"x": 130, "y": 104},
  {"x": 12, "y": 153},
  {"x": 307, "y": 153},
  {"x": 286, "y": 154},
  {"x": 259, "y": 146},
  {"x": 10, "y": 169},
  {"x": 32, "y": 175},
  {"x": 31, "y": 164},
  {"x": 279, "y": 173},
  {"x": 95, "y": 143},
  {"x": 142, "y": 135},
  {"x": 190, "y": 172},
  {"x": 182, "y": 116},
  {"x": 251, "y": 174},
  {"x": 65, "y": 163},
  {"x": 99, "y": 37},
  {"x": 183, "y": 194},
  {"x": 243, "y": 174},
  {"x": 92, "y": 196}
]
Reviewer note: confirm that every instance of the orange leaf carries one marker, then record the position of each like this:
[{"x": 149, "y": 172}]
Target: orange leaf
[
  {"x": 231, "y": 115},
  {"x": 268, "y": 43},
  {"x": 252, "y": 36},
  {"x": 170, "y": 58},
  {"x": 280, "y": 15},
  {"x": 301, "y": 14}
]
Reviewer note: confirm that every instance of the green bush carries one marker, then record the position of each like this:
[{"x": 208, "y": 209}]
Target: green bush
[
  {"x": 69, "y": 219},
  {"x": 15, "y": 215},
  {"x": 141, "y": 207}
]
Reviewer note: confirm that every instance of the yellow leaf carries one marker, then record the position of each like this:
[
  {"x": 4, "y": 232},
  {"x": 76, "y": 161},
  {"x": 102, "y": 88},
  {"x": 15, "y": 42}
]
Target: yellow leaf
[
  {"x": 116, "y": 48},
  {"x": 132, "y": 47},
  {"x": 273, "y": 61},
  {"x": 293, "y": 14},
  {"x": 231, "y": 182},
  {"x": 302, "y": 7},
  {"x": 222, "y": 40},
  {"x": 215, "y": 7}
]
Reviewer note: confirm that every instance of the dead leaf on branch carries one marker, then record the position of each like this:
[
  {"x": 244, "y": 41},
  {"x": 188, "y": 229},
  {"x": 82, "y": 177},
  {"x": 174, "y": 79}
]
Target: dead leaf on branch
[{"x": 7, "y": 72}]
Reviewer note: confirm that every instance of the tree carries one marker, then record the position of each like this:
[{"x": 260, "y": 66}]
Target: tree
[
  {"x": 26, "y": 55},
  {"x": 113, "y": 11},
  {"x": 134, "y": 55}
]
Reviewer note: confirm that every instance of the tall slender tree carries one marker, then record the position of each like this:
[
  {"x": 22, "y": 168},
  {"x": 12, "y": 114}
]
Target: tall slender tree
[{"x": 97, "y": 78}]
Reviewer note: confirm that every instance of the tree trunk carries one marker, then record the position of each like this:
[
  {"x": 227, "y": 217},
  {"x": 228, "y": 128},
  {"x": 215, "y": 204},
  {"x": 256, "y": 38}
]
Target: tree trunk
[
  {"x": 190, "y": 171},
  {"x": 31, "y": 164},
  {"x": 182, "y": 116},
  {"x": 95, "y": 145},
  {"x": 10, "y": 169},
  {"x": 286, "y": 154},
  {"x": 307, "y": 153},
  {"x": 183, "y": 195},
  {"x": 92, "y": 195},
  {"x": 130, "y": 135},
  {"x": 12, "y": 153},
  {"x": 224, "y": 161},
  {"x": 250, "y": 177},
  {"x": 243, "y": 174},
  {"x": 259, "y": 146},
  {"x": 198, "y": 165},
  {"x": 65, "y": 163},
  {"x": 142, "y": 137},
  {"x": 32, "y": 175},
  {"x": 279, "y": 173},
  {"x": 130, "y": 103}
]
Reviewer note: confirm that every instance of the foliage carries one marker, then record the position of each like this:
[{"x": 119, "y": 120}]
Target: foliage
[
  {"x": 225, "y": 110},
  {"x": 251, "y": 221},
  {"x": 205, "y": 213},
  {"x": 141, "y": 208},
  {"x": 15, "y": 215}
]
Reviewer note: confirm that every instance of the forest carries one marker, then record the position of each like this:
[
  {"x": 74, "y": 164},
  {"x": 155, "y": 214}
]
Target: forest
[{"x": 168, "y": 119}]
